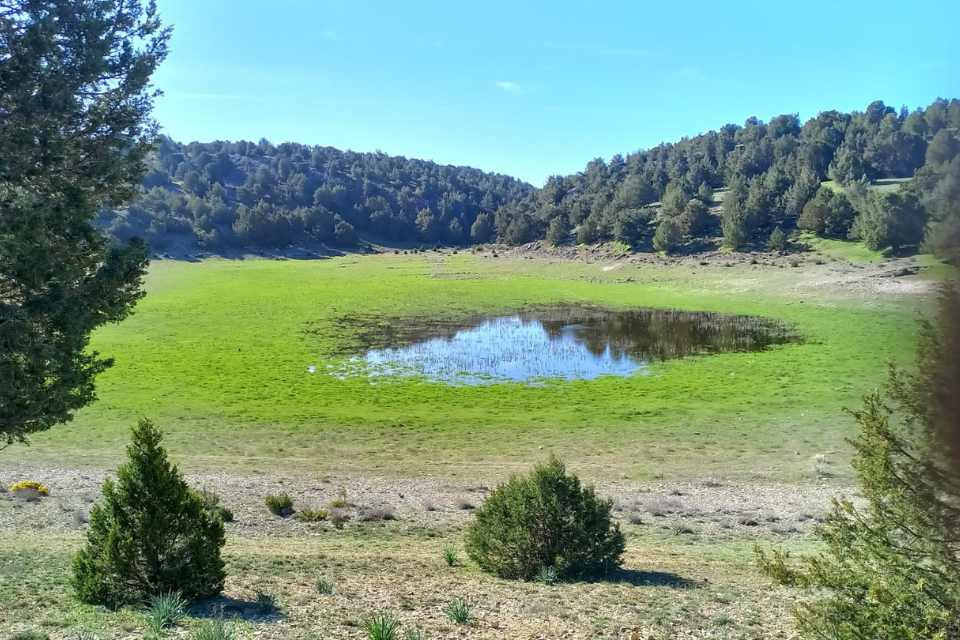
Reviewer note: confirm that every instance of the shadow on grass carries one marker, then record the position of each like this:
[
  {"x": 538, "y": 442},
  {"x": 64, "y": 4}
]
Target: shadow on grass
[
  {"x": 233, "y": 609},
  {"x": 649, "y": 579}
]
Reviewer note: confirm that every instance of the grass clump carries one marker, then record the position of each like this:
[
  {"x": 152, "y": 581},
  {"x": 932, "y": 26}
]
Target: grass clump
[
  {"x": 216, "y": 629},
  {"x": 339, "y": 517},
  {"x": 324, "y": 586},
  {"x": 211, "y": 502},
  {"x": 459, "y": 611},
  {"x": 340, "y": 502},
  {"x": 149, "y": 535},
  {"x": 265, "y": 603},
  {"x": 382, "y": 626},
  {"x": 312, "y": 515},
  {"x": 545, "y": 519},
  {"x": 547, "y": 576},
  {"x": 279, "y": 504},
  {"x": 450, "y": 556},
  {"x": 165, "y": 611}
]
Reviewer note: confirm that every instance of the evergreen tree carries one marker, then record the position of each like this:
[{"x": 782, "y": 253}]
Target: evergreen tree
[
  {"x": 558, "y": 231},
  {"x": 667, "y": 236},
  {"x": 891, "y": 569},
  {"x": 482, "y": 229},
  {"x": 150, "y": 534},
  {"x": 75, "y": 100}
]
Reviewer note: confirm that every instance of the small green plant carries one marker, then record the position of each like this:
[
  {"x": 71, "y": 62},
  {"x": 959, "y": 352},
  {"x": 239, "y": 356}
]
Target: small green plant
[
  {"x": 311, "y": 515},
  {"x": 165, "y": 611},
  {"x": 324, "y": 586},
  {"x": 211, "y": 502},
  {"x": 216, "y": 629},
  {"x": 279, "y": 504},
  {"x": 265, "y": 603},
  {"x": 415, "y": 634},
  {"x": 340, "y": 502},
  {"x": 382, "y": 626},
  {"x": 450, "y": 556},
  {"x": 458, "y": 611},
  {"x": 339, "y": 517},
  {"x": 547, "y": 576},
  {"x": 30, "y": 635}
]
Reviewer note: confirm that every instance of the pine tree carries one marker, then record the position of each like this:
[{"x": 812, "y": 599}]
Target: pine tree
[
  {"x": 558, "y": 231},
  {"x": 75, "y": 100},
  {"x": 891, "y": 568},
  {"x": 149, "y": 534}
]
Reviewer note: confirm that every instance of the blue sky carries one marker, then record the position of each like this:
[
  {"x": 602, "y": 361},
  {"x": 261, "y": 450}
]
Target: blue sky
[{"x": 533, "y": 89}]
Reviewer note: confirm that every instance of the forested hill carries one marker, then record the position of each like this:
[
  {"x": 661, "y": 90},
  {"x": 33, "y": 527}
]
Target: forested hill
[
  {"x": 772, "y": 174},
  {"x": 247, "y": 196},
  {"x": 746, "y": 186}
]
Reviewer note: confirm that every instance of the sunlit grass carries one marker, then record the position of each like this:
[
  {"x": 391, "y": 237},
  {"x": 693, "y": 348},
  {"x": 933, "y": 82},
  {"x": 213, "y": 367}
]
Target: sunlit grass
[{"x": 218, "y": 354}]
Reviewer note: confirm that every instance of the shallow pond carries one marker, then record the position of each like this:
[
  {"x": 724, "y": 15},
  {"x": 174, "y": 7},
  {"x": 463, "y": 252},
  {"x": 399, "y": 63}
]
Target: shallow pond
[{"x": 568, "y": 343}]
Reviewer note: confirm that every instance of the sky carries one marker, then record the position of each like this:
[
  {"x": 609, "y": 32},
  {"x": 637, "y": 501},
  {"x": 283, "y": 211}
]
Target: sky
[{"x": 533, "y": 89}]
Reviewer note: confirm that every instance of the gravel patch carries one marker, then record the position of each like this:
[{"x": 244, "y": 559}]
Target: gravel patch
[{"x": 708, "y": 507}]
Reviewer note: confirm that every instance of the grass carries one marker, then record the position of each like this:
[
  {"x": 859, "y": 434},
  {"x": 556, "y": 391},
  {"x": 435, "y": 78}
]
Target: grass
[
  {"x": 164, "y": 612},
  {"x": 459, "y": 611},
  {"x": 222, "y": 348},
  {"x": 855, "y": 252},
  {"x": 671, "y": 585}
]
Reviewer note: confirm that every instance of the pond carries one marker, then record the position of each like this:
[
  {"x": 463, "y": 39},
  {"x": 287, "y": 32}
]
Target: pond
[{"x": 566, "y": 343}]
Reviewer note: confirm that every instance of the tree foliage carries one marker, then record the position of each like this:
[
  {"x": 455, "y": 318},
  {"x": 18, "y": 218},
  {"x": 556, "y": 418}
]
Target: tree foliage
[
  {"x": 245, "y": 195},
  {"x": 150, "y": 533},
  {"x": 891, "y": 568},
  {"x": 771, "y": 170},
  {"x": 75, "y": 101}
]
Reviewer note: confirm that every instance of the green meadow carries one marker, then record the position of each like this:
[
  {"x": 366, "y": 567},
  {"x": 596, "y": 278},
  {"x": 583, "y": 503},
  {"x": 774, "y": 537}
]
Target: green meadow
[{"x": 217, "y": 353}]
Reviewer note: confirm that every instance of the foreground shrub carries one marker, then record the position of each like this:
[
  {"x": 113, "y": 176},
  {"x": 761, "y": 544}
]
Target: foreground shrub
[
  {"x": 150, "y": 534},
  {"x": 545, "y": 519},
  {"x": 890, "y": 569},
  {"x": 279, "y": 504}
]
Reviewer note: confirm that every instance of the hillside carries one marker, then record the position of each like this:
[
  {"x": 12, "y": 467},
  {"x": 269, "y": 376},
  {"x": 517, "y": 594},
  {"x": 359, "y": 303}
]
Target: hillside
[
  {"x": 221, "y": 196},
  {"x": 243, "y": 195},
  {"x": 770, "y": 171}
]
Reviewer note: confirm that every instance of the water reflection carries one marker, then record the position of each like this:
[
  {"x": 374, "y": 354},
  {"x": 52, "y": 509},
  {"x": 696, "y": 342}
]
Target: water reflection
[{"x": 569, "y": 343}]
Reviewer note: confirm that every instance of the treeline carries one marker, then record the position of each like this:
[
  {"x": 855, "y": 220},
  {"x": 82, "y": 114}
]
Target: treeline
[
  {"x": 751, "y": 185},
  {"x": 771, "y": 173},
  {"x": 246, "y": 195}
]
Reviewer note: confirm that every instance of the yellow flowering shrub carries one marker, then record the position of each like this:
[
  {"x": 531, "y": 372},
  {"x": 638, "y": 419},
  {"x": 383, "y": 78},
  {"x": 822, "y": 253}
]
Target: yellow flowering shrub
[{"x": 25, "y": 485}]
